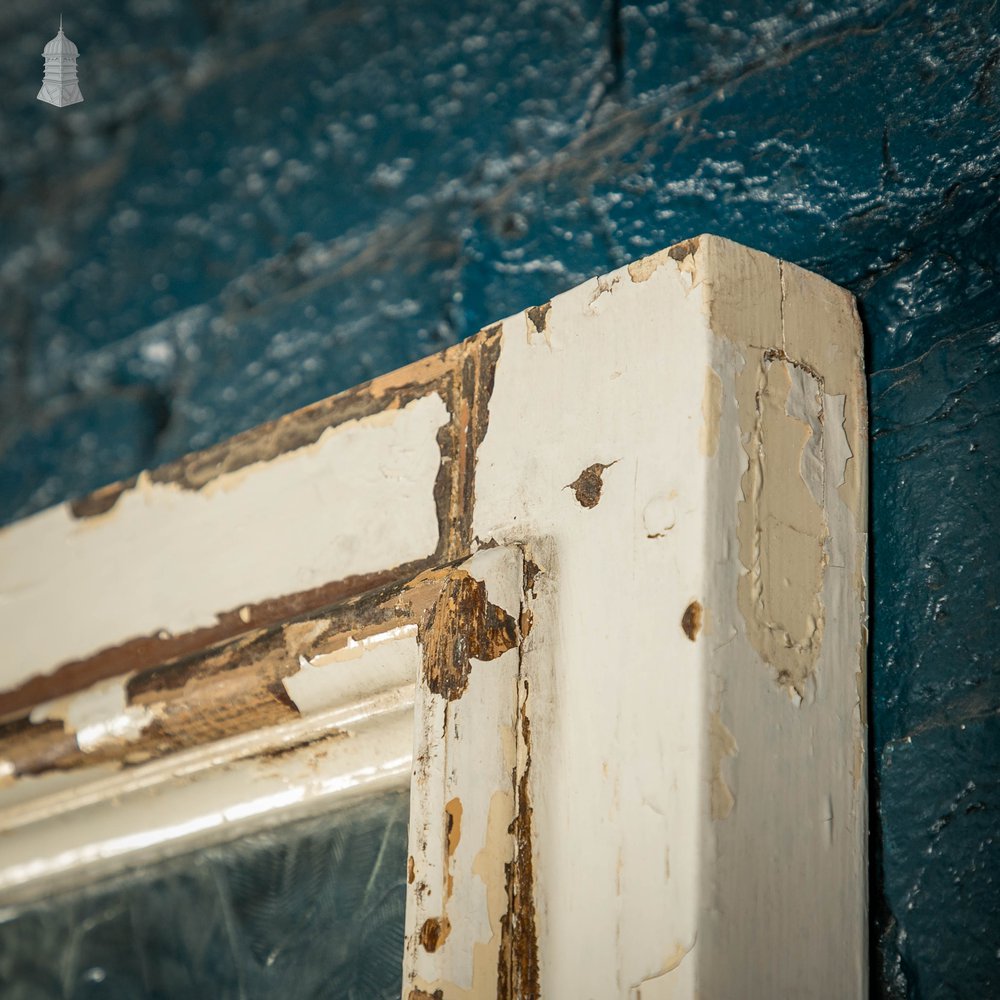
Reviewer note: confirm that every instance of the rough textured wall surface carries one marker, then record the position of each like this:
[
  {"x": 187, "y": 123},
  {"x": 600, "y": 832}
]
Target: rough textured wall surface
[{"x": 261, "y": 203}]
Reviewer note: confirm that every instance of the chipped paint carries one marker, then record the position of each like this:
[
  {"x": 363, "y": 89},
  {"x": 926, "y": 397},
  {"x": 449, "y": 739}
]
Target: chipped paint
[
  {"x": 461, "y": 377},
  {"x": 654, "y": 771},
  {"x": 453, "y": 810},
  {"x": 721, "y": 745},
  {"x": 663, "y": 985},
  {"x": 495, "y": 568},
  {"x": 804, "y": 403},
  {"x": 289, "y": 433},
  {"x": 788, "y": 305},
  {"x": 589, "y": 484},
  {"x": 642, "y": 270},
  {"x": 691, "y": 620},
  {"x": 488, "y": 866},
  {"x": 434, "y": 933},
  {"x": 464, "y": 809},
  {"x": 684, "y": 250},
  {"x": 620, "y": 385},
  {"x": 603, "y": 286},
  {"x": 462, "y": 626},
  {"x": 83, "y": 832},
  {"x": 711, "y": 413},
  {"x": 537, "y": 322},
  {"x": 364, "y": 653},
  {"x": 97, "y": 716},
  {"x": 517, "y": 961},
  {"x": 360, "y": 668},
  {"x": 374, "y": 471},
  {"x": 787, "y": 349},
  {"x": 217, "y": 708},
  {"x": 681, "y": 254},
  {"x": 685, "y": 254},
  {"x": 836, "y": 445},
  {"x": 783, "y": 526},
  {"x": 454, "y": 490},
  {"x": 598, "y": 658}
]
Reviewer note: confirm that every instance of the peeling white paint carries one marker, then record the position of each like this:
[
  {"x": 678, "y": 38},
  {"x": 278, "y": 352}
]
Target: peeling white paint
[
  {"x": 782, "y": 526},
  {"x": 97, "y": 714},
  {"x": 673, "y": 982},
  {"x": 461, "y": 809},
  {"x": 362, "y": 667},
  {"x": 838, "y": 448},
  {"x": 601, "y": 286},
  {"x": 355, "y": 734},
  {"x": 798, "y": 750},
  {"x": 166, "y": 558},
  {"x": 805, "y": 404},
  {"x": 211, "y": 803},
  {"x": 499, "y": 570},
  {"x": 625, "y": 705},
  {"x": 639, "y": 734},
  {"x": 722, "y": 746},
  {"x": 52, "y": 799},
  {"x": 616, "y": 689}
]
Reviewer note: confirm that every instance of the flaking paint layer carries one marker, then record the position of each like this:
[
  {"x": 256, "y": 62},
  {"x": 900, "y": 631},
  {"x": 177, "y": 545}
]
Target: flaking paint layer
[
  {"x": 382, "y": 466},
  {"x": 787, "y": 607},
  {"x": 721, "y": 746},
  {"x": 783, "y": 530},
  {"x": 460, "y": 627},
  {"x": 711, "y": 413}
]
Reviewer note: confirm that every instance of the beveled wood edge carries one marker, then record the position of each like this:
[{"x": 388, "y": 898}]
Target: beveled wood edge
[{"x": 246, "y": 683}]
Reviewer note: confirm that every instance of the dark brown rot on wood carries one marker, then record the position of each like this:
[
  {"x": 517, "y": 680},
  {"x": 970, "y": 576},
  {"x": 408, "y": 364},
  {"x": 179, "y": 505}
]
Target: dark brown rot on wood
[
  {"x": 460, "y": 626},
  {"x": 517, "y": 973}
]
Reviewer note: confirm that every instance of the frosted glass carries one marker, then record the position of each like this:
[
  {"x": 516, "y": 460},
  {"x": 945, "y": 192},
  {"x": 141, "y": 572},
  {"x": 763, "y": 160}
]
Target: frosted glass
[{"x": 313, "y": 909}]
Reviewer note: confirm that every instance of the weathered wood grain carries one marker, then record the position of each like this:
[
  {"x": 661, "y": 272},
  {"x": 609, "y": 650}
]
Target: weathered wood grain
[{"x": 249, "y": 683}]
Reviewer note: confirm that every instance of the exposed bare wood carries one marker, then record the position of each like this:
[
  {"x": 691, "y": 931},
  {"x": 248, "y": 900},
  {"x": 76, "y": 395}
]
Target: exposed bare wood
[
  {"x": 242, "y": 685},
  {"x": 470, "y": 901},
  {"x": 618, "y": 540},
  {"x": 461, "y": 376}
]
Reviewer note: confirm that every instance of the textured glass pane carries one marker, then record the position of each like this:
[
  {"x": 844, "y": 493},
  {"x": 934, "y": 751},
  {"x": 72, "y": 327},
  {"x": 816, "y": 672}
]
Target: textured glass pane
[{"x": 311, "y": 909}]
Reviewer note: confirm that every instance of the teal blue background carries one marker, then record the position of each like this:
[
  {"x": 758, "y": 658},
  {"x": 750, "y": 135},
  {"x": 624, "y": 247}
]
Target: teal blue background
[{"x": 261, "y": 203}]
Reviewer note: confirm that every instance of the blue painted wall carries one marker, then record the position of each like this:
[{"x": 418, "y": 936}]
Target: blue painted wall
[{"x": 261, "y": 203}]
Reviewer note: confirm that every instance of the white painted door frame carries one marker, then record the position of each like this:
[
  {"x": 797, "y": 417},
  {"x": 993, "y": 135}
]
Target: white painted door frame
[{"x": 655, "y": 486}]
